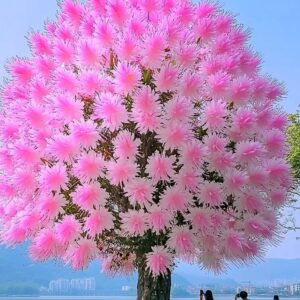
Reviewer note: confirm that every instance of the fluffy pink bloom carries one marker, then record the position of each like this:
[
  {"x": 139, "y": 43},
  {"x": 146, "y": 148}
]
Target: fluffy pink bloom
[
  {"x": 166, "y": 78},
  {"x": 158, "y": 218},
  {"x": 190, "y": 85},
  {"x": 127, "y": 48},
  {"x": 159, "y": 261},
  {"x": 125, "y": 145},
  {"x": 235, "y": 180},
  {"x": 88, "y": 53},
  {"x": 36, "y": 117},
  {"x": 91, "y": 82},
  {"x": 21, "y": 70},
  {"x": 252, "y": 202},
  {"x": 139, "y": 190},
  {"x": 126, "y": 78},
  {"x": 111, "y": 111},
  {"x": 104, "y": 34},
  {"x": 50, "y": 206},
  {"x": 274, "y": 142},
  {"x": 44, "y": 245},
  {"x": 145, "y": 101},
  {"x": 85, "y": 133},
  {"x": 120, "y": 171},
  {"x": 80, "y": 254},
  {"x": 175, "y": 199},
  {"x": 68, "y": 108},
  {"x": 257, "y": 175},
  {"x": 24, "y": 180},
  {"x": 211, "y": 193},
  {"x": 193, "y": 154},
  {"x": 118, "y": 12},
  {"x": 160, "y": 167},
  {"x": 214, "y": 114},
  {"x": 181, "y": 240},
  {"x": 134, "y": 222},
  {"x": 219, "y": 84},
  {"x": 249, "y": 151},
  {"x": 199, "y": 219},
  {"x": 174, "y": 135},
  {"x": 214, "y": 143},
  {"x": 67, "y": 230},
  {"x": 63, "y": 52},
  {"x": 178, "y": 109},
  {"x": 88, "y": 195},
  {"x": 98, "y": 221},
  {"x": 89, "y": 166},
  {"x": 234, "y": 243},
  {"x": 188, "y": 178},
  {"x": 240, "y": 89},
  {"x": 54, "y": 178},
  {"x": 66, "y": 81},
  {"x": 64, "y": 147},
  {"x": 40, "y": 44},
  {"x": 13, "y": 235},
  {"x": 153, "y": 52},
  {"x": 26, "y": 154}
]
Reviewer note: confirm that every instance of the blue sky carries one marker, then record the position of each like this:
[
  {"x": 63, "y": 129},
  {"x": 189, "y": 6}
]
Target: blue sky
[{"x": 275, "y": 27}]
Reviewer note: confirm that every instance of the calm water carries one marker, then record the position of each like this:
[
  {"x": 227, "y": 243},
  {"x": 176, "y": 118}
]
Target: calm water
[{"x": 217, "y": 297}]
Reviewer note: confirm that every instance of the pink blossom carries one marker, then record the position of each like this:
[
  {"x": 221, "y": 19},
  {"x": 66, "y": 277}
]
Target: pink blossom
[
  {"x": 139, "y": 191},
  {"x": 44, "y": 245},
  {"x": 126, "y": 78},
  {"x": 53, "y": 178},
  {"x": 88, "y": 195},
  {"x": 193, "y": 154},
  {"x": 178, "y": 109},
  {"x": 125, "y": 145},
  {"x": 160, "y": 167},
  {"x": 134, "y": 222},
  {"x": 181, "y": 240},
  {"x": 85, "y": 133},
  {"x": 218, "y": 84},
  {"x": 67, "y": 230},
  {"x": 188, "y": 178},
  {"x": 158, "y": 218},
  {"x": 40, "y": 44},
  {"x": 111, "y": 111},
  {"x": 63, "y": 52},
  {"x": 98, "y": 221},
  {"x": 166, "y": 78},
  {"x": 66, "y": 81},
  {"x": 68, "y": 108},
  {"x": 214, "y": 114},
  {"x": 159, "y": 261},
  {"x": 120, "y": 171},
  {"x": 174, "y": 135},
  {"x": 175, "y": 199},
  {"x": 211, "y": 193},
  {"x": 64, "y": 147},
  {"x": 88, "y": 53},
  {"x": 199, "y": 219},
  {"x": 50, "y": 206},
  {"x": 89, "y": 167},
  {"x": 80, "y": 254}
]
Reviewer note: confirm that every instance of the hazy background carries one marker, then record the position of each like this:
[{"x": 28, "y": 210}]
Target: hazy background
[{"x": 275, "y": 27}]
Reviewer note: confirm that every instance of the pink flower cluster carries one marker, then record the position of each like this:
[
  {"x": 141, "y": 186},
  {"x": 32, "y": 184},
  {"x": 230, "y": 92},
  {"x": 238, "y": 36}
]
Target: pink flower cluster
[{"x": 138, "y": 119}]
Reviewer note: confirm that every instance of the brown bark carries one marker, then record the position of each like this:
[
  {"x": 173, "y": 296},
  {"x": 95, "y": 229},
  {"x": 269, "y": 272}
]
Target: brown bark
[{"x": 150, "y": 288}]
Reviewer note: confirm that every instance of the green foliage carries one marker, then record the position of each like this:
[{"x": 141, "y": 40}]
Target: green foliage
[{"x": 293, "y": 134}]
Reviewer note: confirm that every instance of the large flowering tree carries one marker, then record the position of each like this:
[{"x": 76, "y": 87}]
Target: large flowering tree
[{"x": 138, "y": 132}]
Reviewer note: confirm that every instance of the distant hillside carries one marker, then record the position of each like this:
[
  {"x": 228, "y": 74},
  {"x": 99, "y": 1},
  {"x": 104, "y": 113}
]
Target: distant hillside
[{"x": 16, "y": 267}]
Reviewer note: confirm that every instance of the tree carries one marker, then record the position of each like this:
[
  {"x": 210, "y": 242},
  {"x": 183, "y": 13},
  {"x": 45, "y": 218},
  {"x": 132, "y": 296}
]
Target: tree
[
  {"x": 293, "y": 134},
  {"x": 140, "y": 132}
]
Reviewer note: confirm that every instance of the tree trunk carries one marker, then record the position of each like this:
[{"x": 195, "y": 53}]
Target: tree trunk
[{"x": 150, "y": 288}]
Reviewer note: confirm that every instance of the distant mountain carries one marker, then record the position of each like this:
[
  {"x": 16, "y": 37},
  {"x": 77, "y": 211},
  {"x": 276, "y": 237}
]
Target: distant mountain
[
  {"x": 16, "y": 267},
  {"x": 259, "y": 273}
]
